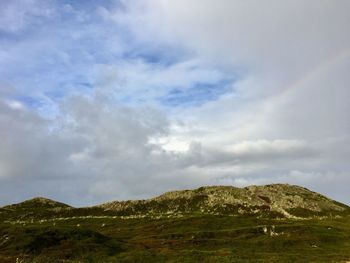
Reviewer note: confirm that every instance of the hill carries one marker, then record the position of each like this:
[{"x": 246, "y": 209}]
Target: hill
[
  {"x": 271, "y": 223},
  {"x": 38, "y": 207},
  {"x": 37, "y": 202},
  {"x": 277, "y": 200}
]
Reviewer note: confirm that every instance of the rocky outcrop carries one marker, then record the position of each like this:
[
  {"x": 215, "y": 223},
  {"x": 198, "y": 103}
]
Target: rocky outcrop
[{"x": 279, "y": 200}]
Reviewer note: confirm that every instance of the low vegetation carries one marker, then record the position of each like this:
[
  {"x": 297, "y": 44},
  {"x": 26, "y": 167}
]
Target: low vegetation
[{"x": 184, "y": 226}]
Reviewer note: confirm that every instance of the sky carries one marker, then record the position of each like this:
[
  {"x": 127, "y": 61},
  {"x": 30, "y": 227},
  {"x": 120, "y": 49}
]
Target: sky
[{"x": 126, "y": 99}]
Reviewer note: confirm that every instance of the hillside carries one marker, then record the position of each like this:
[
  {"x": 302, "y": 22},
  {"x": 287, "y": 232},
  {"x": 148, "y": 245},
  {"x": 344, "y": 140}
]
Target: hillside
[
  {"x": 271, "y": 223},
  {"x": 37, "y": 202},
  {"x": 38, "y": 207},
  {"x": 278, "y": 200}
]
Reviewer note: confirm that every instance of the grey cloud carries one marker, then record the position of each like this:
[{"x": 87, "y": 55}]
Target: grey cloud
[
  {"x": 294, "y": 61},
  {"x": 249, "y": 152},
  {"x": 106, "y": 150},
  {"x": 94, "y": 151},
  {"x": 280, "y": 38}
]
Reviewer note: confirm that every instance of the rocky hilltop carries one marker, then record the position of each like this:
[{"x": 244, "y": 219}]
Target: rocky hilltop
[
  {"x": 273, "y": 201},
  {"x": 277, "y": 200}
]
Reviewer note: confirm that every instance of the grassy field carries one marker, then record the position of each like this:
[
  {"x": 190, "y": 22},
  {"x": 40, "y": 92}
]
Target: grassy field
[{"x": 192, "y": 238}]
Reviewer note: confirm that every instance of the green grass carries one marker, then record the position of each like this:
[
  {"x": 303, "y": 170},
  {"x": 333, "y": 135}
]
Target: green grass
[{"x": 189, "y": 239}]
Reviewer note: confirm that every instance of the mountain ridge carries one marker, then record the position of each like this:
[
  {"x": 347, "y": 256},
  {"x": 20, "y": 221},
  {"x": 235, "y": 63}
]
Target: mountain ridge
[
  {"x": 272, "y": 200},
  {"x": 276, "y": 199}
]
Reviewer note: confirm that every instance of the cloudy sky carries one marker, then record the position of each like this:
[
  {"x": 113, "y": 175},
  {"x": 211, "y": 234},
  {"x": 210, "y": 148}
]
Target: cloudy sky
[{"x": 126, "y": 99}]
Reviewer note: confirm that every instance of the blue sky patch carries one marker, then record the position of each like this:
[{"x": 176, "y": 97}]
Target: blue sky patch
[
  {"x": 196, "y": 95},
  {"x": 28, "y": 101}
]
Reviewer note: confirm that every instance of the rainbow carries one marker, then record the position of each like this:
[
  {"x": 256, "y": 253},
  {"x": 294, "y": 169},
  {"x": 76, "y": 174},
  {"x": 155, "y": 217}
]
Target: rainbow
[{"x": 314, "y": 72}]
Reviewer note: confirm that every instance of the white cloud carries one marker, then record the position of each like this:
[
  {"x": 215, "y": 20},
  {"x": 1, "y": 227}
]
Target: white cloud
[
  {"x": 138, "y": 82},
  {"x": 18, "y": 14},
  {"x": 13, "y": 104}
]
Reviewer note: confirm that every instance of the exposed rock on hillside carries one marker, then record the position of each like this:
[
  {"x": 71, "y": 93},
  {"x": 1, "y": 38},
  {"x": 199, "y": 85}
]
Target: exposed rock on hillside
[{"x": 281, "y": 200}]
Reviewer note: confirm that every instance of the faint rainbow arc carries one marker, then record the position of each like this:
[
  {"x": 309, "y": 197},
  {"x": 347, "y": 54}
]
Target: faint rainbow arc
[{"x": 321, "y": 67}]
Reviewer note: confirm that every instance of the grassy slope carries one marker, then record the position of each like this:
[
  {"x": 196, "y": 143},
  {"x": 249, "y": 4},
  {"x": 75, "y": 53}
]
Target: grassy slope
[{"x": 188, "y": 239}]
